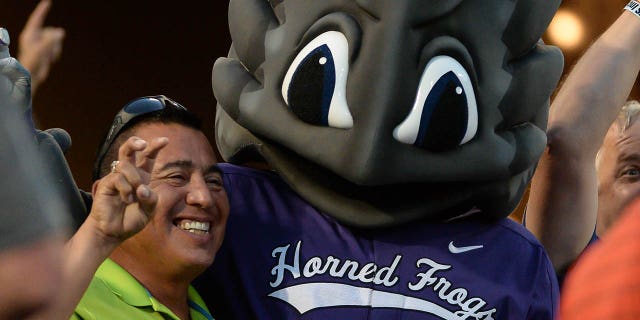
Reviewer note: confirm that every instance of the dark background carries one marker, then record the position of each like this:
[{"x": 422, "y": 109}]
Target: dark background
[{"x": 118, "y": 50}]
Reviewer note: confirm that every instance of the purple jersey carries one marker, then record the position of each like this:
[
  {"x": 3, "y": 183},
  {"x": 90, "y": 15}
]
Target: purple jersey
[{"x": 283, "y": 259}]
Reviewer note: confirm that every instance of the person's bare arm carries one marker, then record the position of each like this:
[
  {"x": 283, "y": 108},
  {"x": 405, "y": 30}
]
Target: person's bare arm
[
  {"x": 122, "y": 206},
  {"x": 31, "y": 276},
  {"x": 562, "y": 207}
]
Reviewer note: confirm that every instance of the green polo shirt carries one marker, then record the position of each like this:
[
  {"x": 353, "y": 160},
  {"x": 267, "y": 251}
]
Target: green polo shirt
[{"x": 115, "y": 294}]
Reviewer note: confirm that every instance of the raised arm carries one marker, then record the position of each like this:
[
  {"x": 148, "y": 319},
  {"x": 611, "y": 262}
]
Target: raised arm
[
  {"x": 39, "y": 46},
  {"x": 562, "y": 207},
  {"x": 122, "y": 206}
]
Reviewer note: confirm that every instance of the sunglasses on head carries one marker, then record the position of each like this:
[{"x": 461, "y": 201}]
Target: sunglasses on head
[{"x": 130, "y": 111}]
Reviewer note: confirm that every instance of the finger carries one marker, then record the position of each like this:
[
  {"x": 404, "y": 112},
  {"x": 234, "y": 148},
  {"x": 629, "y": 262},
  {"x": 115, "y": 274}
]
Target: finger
[
  {"x": 56, "y": 50},
  {"x": 52, "y": 42},
  {"x": 137, "y": 216},
  {"x": 124, "y": 189},
  {"x": 230, "y": 79},
  {"x": 37, "y": 17},
  {"x": 129, "y": 172},
  {"x": 114, "y": 184},
  {"x": 147, "y": 199},
  {"x": 249, "y": 21},
  {"x": 149, "y": 154},
  {"x": 127, "y": 151},
  {"x": 41, "y": 74}
]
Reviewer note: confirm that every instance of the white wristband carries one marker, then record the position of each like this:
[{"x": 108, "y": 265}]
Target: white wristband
[{"x": 633, "y": 7}]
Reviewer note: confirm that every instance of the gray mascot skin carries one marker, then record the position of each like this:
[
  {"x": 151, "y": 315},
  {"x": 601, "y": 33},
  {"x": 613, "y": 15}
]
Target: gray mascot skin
[
  {"x": 401, "y": 133},
  {"x": 55, "y": 189},
  {"x": 380, "y": 113},
  {"x": 36, "y": 189}
]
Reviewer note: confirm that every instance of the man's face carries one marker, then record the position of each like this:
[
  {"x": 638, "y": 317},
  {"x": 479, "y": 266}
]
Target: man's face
[
  {"x": 189, "y": 221},
  {"x": 618, "y": 173}
]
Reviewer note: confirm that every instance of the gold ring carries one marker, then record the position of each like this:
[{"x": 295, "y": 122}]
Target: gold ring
[{"x": 114, "y": 163}]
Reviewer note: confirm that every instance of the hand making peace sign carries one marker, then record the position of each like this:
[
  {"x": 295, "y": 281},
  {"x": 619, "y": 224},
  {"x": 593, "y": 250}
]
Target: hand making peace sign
[{"x": 123, "y": 202}]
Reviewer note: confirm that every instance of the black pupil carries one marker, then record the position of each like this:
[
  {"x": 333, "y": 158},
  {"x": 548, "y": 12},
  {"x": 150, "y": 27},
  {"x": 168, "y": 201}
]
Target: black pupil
[
  {"x": 312, "y": 87},
  {"x": 445, "y": 115}
]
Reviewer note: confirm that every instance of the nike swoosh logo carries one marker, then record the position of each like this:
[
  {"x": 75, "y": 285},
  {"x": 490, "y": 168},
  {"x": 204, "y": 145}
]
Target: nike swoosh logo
[{"x": 454, "y": 249}]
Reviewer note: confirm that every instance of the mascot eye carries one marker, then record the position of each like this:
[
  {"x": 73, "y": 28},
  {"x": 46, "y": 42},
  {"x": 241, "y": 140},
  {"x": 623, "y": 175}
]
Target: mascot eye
[
  {"x": 445, "y": 114},
  {"x": 315, "y": 85}
]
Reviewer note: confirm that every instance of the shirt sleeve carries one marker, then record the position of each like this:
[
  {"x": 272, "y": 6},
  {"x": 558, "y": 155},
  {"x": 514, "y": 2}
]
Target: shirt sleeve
[{"x": 544, "y": 303}]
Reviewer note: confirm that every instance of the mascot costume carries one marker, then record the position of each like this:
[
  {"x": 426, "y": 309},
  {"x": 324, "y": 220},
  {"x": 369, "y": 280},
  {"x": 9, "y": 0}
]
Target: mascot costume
[
  {"x": 399, "y": 134},
  {"x": 37, "y": 192}
]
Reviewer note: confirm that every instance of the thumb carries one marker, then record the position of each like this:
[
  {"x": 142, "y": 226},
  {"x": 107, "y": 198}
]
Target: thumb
[
  {"x": 52, "y": 41},
  {"x": 147, "y": 199}
]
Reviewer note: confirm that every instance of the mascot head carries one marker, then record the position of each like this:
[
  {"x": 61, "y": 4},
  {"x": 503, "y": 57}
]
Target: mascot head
[{"x": 381, "y": 112}]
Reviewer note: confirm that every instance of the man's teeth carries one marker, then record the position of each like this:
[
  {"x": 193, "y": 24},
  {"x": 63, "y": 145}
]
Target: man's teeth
[{"x": 196, "y": 227}]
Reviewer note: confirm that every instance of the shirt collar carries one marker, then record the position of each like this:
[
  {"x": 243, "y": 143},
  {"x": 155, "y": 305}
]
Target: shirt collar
[{"x": 132, "y": 292}]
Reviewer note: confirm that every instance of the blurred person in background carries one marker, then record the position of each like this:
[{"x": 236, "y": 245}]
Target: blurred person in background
[{"x": 573, "y": 197}]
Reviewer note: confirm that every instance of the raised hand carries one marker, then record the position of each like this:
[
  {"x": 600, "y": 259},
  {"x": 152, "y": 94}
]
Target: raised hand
[
  {"x": 39, "y": 46},
  {"x": 123, "y": 202}
]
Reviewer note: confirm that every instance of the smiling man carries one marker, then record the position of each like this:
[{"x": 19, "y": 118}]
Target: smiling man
[{"x": 150, "y": 273}]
